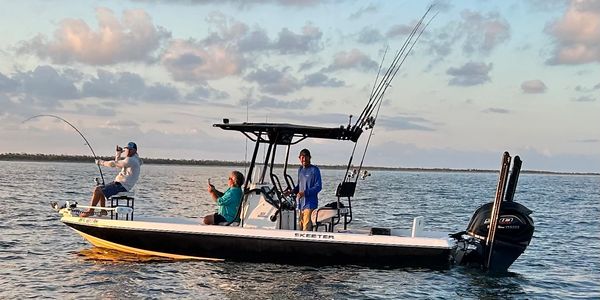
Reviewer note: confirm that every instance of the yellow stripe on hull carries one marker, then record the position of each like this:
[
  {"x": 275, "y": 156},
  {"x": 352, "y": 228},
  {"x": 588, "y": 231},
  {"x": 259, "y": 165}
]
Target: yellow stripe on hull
[{"x": 110, "y": 245}]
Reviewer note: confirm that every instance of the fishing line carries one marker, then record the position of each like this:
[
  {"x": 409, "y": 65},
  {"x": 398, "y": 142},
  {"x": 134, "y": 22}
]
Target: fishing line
[{"x": 80, "y": 134}]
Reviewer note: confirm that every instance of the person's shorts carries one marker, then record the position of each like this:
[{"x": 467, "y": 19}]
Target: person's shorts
[
  {"x": 112, "y": 189},
  {"x": 219, "y": 219}
]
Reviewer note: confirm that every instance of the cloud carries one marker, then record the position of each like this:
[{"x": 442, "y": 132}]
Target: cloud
[
  {"x": 7, "y": 85},
  {"x": 46, "y": 86},
  {"x": 584, "y": 89},
  {"x": 241, "y": 4},
  {"x": 483, "y": 33},
  {"x": 399, "y": 30},
  {"x": 121, "y": 125},
  {"x": 589, "y": 141},
  {"x": 159, "y": 92},
  {"x": 320, "y": 79},
  {"x": 37, "y": 91},
  {"x": 127, "y": 86},
  {"x": 192, "y": 62},
  {"x": 584, "y": 99},
  {"x": 576, "y": 34},
  {"x": 256, "y": 40},
  {"x": 270, "y": 102},
  {"x": 354, "y": 59},
  {"x": 308, "y": 41},
  {"x": 471, "y": 73},
  {"x": 369, "y": 35},
  {"x": 370, "y": 9},
  {"x": 533, "y": 87},
  {"x": 272, "y": 81},
  {"x": 236, "y": 35},
  {"x": 546, "y": 5},
  {"x": 307, "y": 65},
  {"x": 133, "y": 38},
  {"x": 479, "y": 34},
  {"x": 405, "y": 123},
  {"x": 94, "y": 109},
  {"x": 206, "y": 93},
  {"x": 494, "y": 110}
]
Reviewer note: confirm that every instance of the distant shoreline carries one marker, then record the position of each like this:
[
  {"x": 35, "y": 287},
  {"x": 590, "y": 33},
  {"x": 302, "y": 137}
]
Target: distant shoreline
[{"x": 193, "y": 162}]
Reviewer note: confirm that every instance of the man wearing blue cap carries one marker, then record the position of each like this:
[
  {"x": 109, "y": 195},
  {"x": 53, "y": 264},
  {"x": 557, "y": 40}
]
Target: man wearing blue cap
[{"x": 125, "y": 180}]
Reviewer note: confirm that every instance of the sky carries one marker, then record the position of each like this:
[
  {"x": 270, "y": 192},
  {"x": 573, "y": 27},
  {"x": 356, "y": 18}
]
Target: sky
[{"x": 484, "y": 78}]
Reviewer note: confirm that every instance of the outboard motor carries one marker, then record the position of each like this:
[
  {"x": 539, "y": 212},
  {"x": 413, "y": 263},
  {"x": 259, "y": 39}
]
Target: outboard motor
[{"x": 499, "y": 231}]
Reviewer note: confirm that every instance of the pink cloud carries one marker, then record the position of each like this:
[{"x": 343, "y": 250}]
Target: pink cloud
[
  {"x": 577, "y": 34},
  {"x": 533, "y": 87},
  {"x": 132, "y": 38},
  {"x": 191, "y": 62}
]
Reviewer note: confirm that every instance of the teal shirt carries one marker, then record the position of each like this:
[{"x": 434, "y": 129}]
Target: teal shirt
[{"x": 229, "y": 203}]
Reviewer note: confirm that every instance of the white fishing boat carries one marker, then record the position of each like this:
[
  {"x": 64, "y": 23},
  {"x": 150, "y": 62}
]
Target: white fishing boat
[
  {"x": 267, "y": 228},
  {"x": 498, "y": 233}
]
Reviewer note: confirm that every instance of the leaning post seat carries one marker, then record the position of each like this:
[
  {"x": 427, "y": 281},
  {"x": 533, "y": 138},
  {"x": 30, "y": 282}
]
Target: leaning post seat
[
  {"x": 332, "y": 213},
  {"x": 119, "y": 200}
]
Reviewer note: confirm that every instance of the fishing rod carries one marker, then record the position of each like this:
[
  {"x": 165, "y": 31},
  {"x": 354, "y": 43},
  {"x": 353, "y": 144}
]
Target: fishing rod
[
  {"x": 372, "y": 91},
  {"x": 375, "y": 100},
  {"x": 397, "y": 62},
  {"x": 370, "y": 121},
  {"x": 77, "y": 130},
  {"x": 387, "y": 77}
]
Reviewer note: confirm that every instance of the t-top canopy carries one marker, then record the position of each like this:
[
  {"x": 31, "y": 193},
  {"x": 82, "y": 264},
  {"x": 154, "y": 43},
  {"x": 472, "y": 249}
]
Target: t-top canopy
[{"x": 284, "y": 134}]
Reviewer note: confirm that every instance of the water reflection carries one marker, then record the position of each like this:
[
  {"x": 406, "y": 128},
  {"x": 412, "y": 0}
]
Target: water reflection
[
  {"x": 480, "y": 285},
  {"x": 102, "y": 254}
]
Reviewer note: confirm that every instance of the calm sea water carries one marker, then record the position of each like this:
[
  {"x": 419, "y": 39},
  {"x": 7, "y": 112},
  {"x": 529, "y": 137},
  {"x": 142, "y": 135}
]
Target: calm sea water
[{"x": 42, "y": 258}]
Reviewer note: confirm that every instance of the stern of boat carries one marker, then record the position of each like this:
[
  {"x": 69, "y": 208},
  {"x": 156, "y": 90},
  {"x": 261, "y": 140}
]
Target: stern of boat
[{"x": 499, "y": 231}]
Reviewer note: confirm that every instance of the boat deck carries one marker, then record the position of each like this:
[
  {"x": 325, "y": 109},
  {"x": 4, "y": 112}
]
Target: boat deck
[{"x": 374, "y": 231}]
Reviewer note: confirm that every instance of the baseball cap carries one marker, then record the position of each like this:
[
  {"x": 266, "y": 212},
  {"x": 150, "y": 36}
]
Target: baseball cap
[
  {"x": 131, "y": 145},
  {"x": 304, "y": 152}
]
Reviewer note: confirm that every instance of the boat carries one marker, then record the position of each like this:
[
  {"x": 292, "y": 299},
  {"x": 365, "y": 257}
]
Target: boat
[{"x": 266, "y": 231}]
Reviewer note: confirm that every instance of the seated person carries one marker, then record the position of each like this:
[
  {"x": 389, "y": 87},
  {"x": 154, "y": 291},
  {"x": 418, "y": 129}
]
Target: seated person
[
  {"x": 125, "y": 180},
  {"x": 228, "y": 202}
]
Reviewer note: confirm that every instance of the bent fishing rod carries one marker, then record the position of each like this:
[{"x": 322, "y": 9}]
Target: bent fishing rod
[{"x": 80, "y": 134}]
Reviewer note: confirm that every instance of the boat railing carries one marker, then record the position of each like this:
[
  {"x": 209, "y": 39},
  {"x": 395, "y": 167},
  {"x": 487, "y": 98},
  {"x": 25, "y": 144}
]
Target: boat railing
[{"x": 114, "y": 211}]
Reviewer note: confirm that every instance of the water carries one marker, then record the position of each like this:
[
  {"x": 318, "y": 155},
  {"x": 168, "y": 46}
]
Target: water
[{"x": 42, "y": 258}]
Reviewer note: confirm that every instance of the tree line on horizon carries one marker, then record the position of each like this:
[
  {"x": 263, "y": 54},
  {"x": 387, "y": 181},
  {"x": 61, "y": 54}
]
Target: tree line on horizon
[
  {"x": 90, "y": 159},
  {"x": 193, "y": 162}
]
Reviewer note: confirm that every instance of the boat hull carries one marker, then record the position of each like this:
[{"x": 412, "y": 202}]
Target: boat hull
[{"x": 274, "y": 246}]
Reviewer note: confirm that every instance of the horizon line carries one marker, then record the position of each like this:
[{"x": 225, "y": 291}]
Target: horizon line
[{"x": 42, "y": 157}]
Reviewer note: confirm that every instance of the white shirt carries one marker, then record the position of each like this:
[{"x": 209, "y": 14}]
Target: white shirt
[{"x": 130, "y": 170}]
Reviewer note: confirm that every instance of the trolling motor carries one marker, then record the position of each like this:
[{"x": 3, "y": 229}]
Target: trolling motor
[{"x": 499, "y": 231}]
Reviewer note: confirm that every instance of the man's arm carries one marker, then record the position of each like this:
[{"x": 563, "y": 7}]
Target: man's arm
[
  {"x": 113, "y": 163},
  {"x": 214, "y": 193}
]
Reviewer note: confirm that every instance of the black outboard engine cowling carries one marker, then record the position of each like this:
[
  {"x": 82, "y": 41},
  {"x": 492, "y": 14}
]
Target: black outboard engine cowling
[
  {"x": 514, "y": 223},
  {"x": 495, "y": 251},
  {"x": 513, "y": 235}
]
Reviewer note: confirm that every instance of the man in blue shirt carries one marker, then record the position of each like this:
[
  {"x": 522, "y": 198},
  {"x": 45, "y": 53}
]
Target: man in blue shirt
[{"x": 307, "y": 190}]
